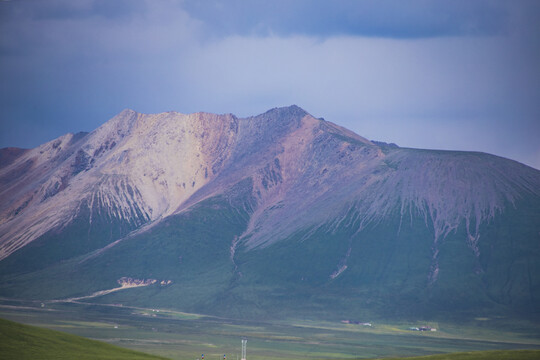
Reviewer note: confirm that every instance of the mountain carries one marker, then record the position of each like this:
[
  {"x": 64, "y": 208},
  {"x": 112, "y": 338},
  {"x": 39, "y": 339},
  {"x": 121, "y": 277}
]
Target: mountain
[{"x": 281, "y": 214}]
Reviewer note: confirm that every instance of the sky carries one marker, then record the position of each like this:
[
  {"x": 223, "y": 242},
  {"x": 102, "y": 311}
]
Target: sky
[{"x": 455, "y": 75}]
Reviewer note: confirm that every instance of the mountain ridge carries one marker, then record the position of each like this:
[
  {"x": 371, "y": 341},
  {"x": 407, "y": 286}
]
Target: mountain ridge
[{"x": 280, "y": 180}]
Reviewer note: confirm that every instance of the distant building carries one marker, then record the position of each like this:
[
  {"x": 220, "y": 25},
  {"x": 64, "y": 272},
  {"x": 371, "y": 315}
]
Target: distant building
[{"x": 422, "y": 328}]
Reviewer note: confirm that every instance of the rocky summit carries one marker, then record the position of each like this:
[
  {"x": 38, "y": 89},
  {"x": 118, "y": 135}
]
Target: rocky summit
[{"x": 276, "y": 215}]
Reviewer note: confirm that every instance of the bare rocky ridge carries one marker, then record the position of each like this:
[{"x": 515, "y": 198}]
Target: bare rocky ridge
[
  {"x": 306, "y": 172},
  {"x": 136, "y": 167}
]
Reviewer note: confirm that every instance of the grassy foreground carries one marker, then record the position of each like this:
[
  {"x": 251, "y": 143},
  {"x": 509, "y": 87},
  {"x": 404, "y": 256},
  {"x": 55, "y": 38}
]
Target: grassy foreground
[
  {"x": 481, "y": 355},
  {"x": 171, "y": 334},
  {"x": 22, "y": 342}
]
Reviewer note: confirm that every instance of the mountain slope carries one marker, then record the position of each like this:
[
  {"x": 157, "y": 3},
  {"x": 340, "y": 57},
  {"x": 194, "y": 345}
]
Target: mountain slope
[{"x": 281, "y": 212}]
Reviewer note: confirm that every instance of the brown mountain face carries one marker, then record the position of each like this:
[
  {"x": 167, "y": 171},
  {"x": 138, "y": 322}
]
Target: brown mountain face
[
  {"x": 142, "y": 168},
  {"x": 9, "y": 154}
]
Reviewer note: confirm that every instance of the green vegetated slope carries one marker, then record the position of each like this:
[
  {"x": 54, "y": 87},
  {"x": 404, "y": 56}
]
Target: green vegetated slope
[
  {"x": 385, "y": 268},
  {"x": 79, "y": 237},
  {"x": 481, "y": 355},
  {"x": 388, "y": 267},
  {"x": 24, "y": 342},
  {"x": 191, "y": 250}
]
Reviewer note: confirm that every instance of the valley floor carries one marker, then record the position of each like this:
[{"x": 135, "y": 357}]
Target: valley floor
[{"x": 178, "y": 335}]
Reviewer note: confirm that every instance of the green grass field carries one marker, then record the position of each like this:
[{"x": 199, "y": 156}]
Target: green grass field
[
  {"x": 22, "y": 342},
  {"x": 483, "y": 355},
  {"x": 177, "y": 335}
]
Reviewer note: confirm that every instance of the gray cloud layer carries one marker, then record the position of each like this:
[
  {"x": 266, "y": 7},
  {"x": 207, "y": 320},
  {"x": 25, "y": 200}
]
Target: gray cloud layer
[
  {"x": 452, "y": 75},
  {"x": 376, "y": 18}
]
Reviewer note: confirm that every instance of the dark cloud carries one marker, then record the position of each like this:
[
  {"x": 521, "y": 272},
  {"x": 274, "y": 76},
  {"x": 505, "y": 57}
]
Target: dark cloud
[
  {"x": 72, "y": 10},
  {"x": 376, "y": 18}
]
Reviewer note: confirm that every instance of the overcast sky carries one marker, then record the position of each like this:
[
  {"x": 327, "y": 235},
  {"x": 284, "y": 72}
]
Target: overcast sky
[{"x": 461, "y": 75}]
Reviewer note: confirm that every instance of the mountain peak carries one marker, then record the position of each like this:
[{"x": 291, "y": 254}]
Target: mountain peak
[
  {"x": 292, "y": 111},
  {"x": 127, "y": 111}
]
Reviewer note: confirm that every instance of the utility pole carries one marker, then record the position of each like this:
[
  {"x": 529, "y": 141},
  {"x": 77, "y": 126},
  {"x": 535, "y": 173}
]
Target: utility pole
[{"x": 244, "y": 345}]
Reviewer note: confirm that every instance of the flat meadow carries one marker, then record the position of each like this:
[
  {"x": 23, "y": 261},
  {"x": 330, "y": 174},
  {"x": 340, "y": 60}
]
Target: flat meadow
[{"x": 177, "y": 335}]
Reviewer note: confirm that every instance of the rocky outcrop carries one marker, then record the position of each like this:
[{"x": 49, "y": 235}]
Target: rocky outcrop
[{"x": 130, "y": 282}]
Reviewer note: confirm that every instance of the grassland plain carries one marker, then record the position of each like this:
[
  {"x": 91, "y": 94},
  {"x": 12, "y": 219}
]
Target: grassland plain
[
  {"x": 177, "y": 335},
  {"x": 482, "y": 355}
]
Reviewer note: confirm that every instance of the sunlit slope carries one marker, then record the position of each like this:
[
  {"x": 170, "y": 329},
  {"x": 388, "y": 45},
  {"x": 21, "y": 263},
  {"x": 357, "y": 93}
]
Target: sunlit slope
[{"x": 23, "y": 342}]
